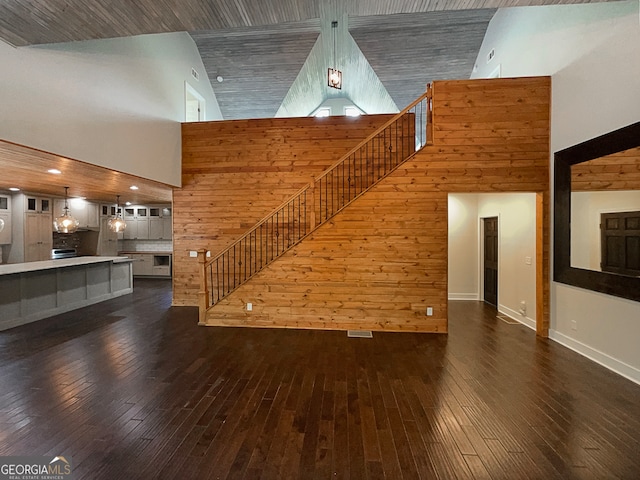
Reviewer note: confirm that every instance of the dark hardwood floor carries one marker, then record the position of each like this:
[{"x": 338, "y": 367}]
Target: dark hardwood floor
[{"x": 133, "y": 389}]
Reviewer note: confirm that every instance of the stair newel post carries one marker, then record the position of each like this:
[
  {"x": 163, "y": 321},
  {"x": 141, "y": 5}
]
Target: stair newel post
[
  {"x": 203, "y": 294},
  {"x": 429, "y": 100},
  {"x": 312, "y": 204}
]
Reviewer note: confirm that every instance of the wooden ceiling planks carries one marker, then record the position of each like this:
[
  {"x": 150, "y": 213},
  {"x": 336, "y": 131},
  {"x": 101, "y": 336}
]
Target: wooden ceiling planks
[
  {"x": 29, "y": 22},
  {"x": 258, "y": 69},
  {"x": 26, "y": 168},
  {"x": 444, "y": 46}
]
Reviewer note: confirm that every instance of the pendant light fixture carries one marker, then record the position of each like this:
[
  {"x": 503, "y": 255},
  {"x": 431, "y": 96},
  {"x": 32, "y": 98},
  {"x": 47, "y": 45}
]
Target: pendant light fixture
[
  {"x": 117, "y": 223},
  {"x": 65, "y": 223},
  {"x": 334, "y": 77}
]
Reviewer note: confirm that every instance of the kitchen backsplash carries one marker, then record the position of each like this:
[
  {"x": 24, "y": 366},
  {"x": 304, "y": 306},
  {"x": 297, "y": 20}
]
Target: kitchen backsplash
[
  {"x": 66, "y": 240},
  {"x": 145, "y": 245}
]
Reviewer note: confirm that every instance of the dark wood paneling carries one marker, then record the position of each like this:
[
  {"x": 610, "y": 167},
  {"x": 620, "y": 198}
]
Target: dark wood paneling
[{"x": 131, "y": 388}]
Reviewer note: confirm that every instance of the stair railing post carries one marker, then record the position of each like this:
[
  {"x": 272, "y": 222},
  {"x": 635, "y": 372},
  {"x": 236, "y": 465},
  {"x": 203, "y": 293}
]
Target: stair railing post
[
  {"x": 203, "y": 294},
  {"x": 312, "y": 204},
  {"x": 429, "y": 100}
]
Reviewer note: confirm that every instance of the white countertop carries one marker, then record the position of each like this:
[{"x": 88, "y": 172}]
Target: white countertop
[{"x": 11, "y": 268}]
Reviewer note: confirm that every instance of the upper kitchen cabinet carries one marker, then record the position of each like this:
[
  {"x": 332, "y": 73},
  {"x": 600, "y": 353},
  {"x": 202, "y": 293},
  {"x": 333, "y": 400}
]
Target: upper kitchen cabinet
[
  {"x": 37, "y": 204},
  {"x": 85, "y": 212},
  {"x": 160, "y": 224},
  {"x": 109, "y": 210},
  {"x": 148, "y": 222},
  {"x": 5, "y": 219},
  {"x": 137, "y": 219}
]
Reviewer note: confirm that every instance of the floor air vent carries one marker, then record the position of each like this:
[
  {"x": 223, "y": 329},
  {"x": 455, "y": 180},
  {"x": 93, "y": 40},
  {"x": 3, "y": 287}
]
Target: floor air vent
[
  {"x": 359, "y": 333},
  {"x": 508, "y": 320}
]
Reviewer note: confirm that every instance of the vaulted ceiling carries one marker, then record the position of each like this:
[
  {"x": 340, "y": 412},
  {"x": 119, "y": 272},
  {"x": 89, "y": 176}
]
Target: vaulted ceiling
[{"x": 272, "y": 54}]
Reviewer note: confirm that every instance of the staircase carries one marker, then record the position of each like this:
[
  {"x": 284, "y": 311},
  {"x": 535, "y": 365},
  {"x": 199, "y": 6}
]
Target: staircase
[{"x": 326, "y": 195}]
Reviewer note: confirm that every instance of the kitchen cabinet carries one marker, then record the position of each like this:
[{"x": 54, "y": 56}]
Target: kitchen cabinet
[
  {"x": 161, "y": 265},
  {"x": 160, "y": 223},
  {"x": 5, "y": 219},
  {"x": 109, "y": 210},
  {"x": 108, "y": 240},
  {"x": 151, "y": 264},
  {"x": 136, "y": 211},
  {"x": 85, "y": 212},
  {"x": 37, "y": 204},
  {"x": 38, "y": 240},
  {"x": 137, "y": 229},
  {"x": 137, "y": 219},
  {"x": 142, "y": 264},
  {"x": 160, "y": 228},
  {"x": 31, "y": 237},
  {"x": 148, "y": 223}
]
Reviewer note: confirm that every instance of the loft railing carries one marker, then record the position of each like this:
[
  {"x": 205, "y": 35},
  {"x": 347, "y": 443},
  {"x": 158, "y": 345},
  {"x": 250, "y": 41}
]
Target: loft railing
[{"x": 326, "y": 195}]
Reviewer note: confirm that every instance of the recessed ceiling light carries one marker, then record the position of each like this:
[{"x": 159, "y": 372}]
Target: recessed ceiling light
[
  {"x": 55, "y": 171},
  {"x": 133, "y": 187},
  {"x": 14, "y": 189}
]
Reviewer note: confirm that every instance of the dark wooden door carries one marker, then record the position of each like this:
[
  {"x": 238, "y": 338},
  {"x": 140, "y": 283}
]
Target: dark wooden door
[
  {"x": 491, "y": 260},
  {"x": 620, "y": 243}
]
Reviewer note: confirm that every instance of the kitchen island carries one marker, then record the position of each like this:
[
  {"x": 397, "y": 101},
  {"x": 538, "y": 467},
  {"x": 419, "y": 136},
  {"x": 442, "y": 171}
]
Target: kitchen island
[{"x": 35, "y": 290}]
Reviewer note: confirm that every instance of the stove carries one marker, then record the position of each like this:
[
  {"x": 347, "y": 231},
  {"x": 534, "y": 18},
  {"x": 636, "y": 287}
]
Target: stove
[{"x": 58, "y": 253}]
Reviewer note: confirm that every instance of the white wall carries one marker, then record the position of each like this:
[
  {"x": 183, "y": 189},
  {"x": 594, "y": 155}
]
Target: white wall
[
  {"x": 116, "y": 103},
  {"x": 463, "y": 280},
  {"x": 593, "y": 54},
  {"x": 516, "y": 214}
]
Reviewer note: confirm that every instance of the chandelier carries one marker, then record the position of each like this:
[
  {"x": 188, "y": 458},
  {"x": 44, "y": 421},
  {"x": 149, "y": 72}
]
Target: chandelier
[
  {"x": 65, "y": 223},
  {"x": 117, "y": 223},
  {"x": 334, "y": 76}
]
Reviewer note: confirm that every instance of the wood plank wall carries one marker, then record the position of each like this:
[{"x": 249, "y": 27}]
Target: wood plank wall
[
  {"x": 382, "y": 261},
  {"x": 494, "y": 136},
  {"x": 236, "y": 172}
]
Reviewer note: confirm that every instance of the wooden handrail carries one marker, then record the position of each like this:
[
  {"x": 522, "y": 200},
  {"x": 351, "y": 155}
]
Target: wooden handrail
[
  {"x": 295, "y": 218},
  {"x": 315, "y": 179},
  {"x": 261, "y": 222},
  {"x": 374, "y": 134}
]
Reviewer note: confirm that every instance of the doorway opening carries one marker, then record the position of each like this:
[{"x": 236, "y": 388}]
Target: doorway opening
[
  {"x": 495, "y": 252},
  {"x": 194, "y": 103}
]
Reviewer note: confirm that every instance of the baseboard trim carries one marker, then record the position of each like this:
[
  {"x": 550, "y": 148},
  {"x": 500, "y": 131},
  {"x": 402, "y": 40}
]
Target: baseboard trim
[
  {"x": 526, "y": 321},
  {"x": 621, "y": 368},
  {"x": 464, "y": 296}
]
